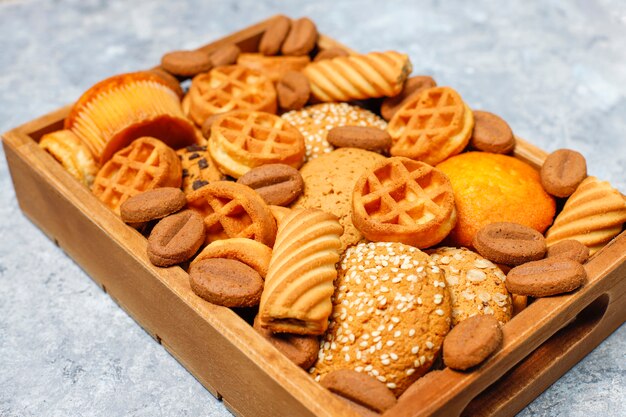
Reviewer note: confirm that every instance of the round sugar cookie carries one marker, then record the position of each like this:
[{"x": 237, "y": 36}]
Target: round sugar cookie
[
  {"x": 476, "y": 285},
  {"x": 328, "y": 184},
  {"x": 391, "y": 312},
  {"x": 314, "y": 122}
]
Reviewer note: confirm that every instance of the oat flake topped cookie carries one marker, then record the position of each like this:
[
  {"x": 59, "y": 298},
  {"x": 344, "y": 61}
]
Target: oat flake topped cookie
[
  {"x": 314, "y": 122},
  {"x": 475, "y": 283},
  {"x": 391, "y": 311}
]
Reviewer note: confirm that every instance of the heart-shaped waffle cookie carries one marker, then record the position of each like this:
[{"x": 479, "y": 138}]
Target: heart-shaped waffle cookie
[
  {"x": 432, "y": 126},
  {"x": 244, "y": 139},
  {"x": 228, "y": 88},
  {"x": 146, "y": 164},
  {"x": 233, "y": 210},
  {"x": 401, "y": 200}
]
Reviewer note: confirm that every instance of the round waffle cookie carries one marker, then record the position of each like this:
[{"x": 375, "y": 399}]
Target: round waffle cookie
[
  {"x": 245, "y": 139},
  {"x": 314, "y": 122},
  {"x": 401, "y": 200},
  {"x": 476, "y": 284},
  {"x": 228, "y": 88},
  {"x": 233, "y": 210},
  {"x": 145, "y": 164},
  {"x": 391, "y": 312},
  {"x": 122, "y": 108},
  {"x": 431, "y": 126},
  {"x": 198, "y": 168}
]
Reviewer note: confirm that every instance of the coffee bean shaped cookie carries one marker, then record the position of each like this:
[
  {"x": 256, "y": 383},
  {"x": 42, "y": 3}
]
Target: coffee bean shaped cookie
[
  {"x": 152, "y": 205},
  {"x": 476, "y": 285},
  {"x": 471, "y": 342},
  {"x": 509, "y": 243},
  {"x": 277, "y": 184},
  {"x": 226, "y": 282},
  {"x": 360, "y": 389},
  {"x": 176, "y": 238}
]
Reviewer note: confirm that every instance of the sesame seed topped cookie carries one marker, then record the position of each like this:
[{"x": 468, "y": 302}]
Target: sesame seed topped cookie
[
  {"x": 391, "y": 311},
  {"x": 314, "y": 122},
  {"x": 475, "y": 283}
]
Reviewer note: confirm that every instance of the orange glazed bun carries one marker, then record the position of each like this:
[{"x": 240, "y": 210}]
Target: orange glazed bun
[{"x": 491, "y": 188}]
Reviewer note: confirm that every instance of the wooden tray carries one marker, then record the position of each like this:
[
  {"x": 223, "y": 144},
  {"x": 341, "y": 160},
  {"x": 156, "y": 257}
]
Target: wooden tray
[{"x": 240, "y": 367}]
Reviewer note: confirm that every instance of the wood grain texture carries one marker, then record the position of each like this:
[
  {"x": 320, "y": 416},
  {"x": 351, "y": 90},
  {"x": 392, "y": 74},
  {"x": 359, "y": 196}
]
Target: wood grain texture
[{"x": 232, "y": 361}]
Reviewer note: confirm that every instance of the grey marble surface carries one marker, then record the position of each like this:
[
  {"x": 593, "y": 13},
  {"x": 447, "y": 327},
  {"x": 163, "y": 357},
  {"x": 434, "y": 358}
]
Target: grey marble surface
[{"x": 553, "y": 70}]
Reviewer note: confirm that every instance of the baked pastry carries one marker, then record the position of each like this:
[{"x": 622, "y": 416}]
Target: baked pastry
[
  {"x": 144, "y": 165},
  {"x": 431, "y": 126},
  {"x": 250, "y": 252},
  {"x": 401, "y": 200},
  {"x": 593, "y": 215},
  {"x": 233, "y": 210},
  {"x": 122, "y": 108},
  {"x": 476, "y": 285},
  {"x": 199, "y": 169},
  {"x": 273, "y": 67},
  {"x": 299, "y": 283},
  {"x": 314, "y": 122},
  {"x": 328, "y": 184},
  {"x": 244, "y": 139},
  {"x": 491, "y": 188},
  {"x": 223, "y": 89},
  {"x": 357, "y": 77},
  {"x": 391, "y": 311},
  {"x": 71, "y": 152}
]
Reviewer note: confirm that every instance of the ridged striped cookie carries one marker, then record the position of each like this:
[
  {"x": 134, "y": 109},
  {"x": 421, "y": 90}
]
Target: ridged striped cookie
[
  {"x": 593, "y": 215},
  {"x": 357, "y": 77},
  {"x": 299, "y": 283}
]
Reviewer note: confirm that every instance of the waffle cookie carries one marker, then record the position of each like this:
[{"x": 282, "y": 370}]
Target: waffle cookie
[
  {"x": 358, "y": 77},
  {"x": 233, "y": 210},
  {"x": 328, "y": 184},
  {"x": 245, "y": 139},
  {"x": 593, "y": 215},
  {"x": 228, "y": 88},
  {"x": 71, "y": 152},
  {"x": 120, "y": 109},
  {"x": 431, "y": 126},
  {"x": 401, "y": 200},
  {"x": 299, "y": 283},
  {"x": 476, "y": 285},
  {"x": 144, "y": 165},
  {"x": 314, "y": 122},
  {"x": 199, "y": 169},
  {"x": 273, "y": 67},
  {"x": 391, "y": 311}
]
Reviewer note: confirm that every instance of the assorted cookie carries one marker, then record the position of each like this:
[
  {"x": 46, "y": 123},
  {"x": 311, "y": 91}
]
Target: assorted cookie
[{"x": 315, "y": 217}]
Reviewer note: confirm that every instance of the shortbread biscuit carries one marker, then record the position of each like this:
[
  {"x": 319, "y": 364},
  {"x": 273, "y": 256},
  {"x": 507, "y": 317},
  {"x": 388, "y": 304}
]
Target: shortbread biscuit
[
  {"x": 328, "y": 184},
  {"x": 314, "y": 122},
  {"x": 391, "y": 311},
  {"x": 593, "y": 215},
  {"x": 299, "y": 282},
  {"x": 358, "y": 77},
  {"x": 476, "y": 285}
]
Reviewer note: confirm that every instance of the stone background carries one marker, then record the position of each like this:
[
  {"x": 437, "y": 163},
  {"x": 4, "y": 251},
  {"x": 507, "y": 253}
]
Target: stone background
[{"x": 554, "y": 70}]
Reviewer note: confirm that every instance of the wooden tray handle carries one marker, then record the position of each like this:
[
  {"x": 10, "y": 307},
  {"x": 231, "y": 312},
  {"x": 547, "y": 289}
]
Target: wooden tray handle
[{"x": 549, "y": 336}]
